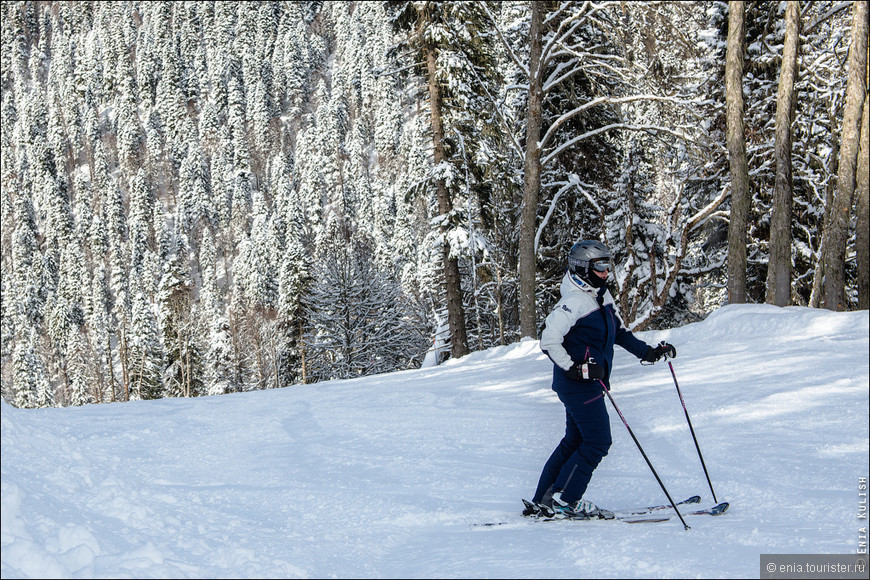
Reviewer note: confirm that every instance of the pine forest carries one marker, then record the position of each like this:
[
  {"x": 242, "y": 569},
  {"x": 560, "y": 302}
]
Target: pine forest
[{"x": 202, "y": 198}]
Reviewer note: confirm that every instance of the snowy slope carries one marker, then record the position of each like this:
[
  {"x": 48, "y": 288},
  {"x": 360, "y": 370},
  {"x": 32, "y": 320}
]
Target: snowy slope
[{"x": 384, "y": 476}]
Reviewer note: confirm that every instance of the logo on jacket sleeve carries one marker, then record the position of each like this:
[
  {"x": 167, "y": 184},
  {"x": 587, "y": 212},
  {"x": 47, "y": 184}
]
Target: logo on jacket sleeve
[{"x": 565, "y": 308}]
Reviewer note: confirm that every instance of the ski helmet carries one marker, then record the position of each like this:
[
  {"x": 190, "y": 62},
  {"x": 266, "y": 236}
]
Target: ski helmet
[{"x": 588, "y": 256}]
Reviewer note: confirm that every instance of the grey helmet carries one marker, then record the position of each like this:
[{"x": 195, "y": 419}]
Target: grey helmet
[{"x": 587, "y": 256}]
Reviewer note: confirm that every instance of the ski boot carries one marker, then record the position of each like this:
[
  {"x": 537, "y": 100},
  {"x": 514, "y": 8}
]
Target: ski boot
[{"x": 582, "y": 509}]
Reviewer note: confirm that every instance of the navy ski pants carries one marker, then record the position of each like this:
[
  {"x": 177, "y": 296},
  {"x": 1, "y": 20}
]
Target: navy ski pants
[{"x": 587, "y": 440}]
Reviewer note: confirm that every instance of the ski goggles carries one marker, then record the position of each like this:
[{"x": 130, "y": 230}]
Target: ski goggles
[{"x": 601, "y": 265}]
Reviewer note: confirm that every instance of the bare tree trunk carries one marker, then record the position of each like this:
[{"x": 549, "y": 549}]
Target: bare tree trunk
[
  {"x": 302, "y": 362},
  {"x": 452, "y": 282},
  {"x": 189, "y": 370},
  {"x": 779, "y": 267},
  {"x": 499, "y": 302},
  {"x": 862, "y": 244},
  {"x": 531, "y": 181},
  {"x": 627, "y": 306},
  {"x": 835, "y": 244},
  {"x": 110, "y": 366},
  {"x": 141, "y": 375},
  {"x": 737, "y": 154},
  {"x": 819, "y": 273},
  {"x": 122, "y": 356}
]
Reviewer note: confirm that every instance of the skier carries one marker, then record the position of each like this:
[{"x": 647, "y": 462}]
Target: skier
[{"x": 578, "y": 336}]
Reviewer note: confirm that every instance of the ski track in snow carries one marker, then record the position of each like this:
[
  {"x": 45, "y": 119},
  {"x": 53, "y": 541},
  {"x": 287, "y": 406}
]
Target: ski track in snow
[{"x": 385, "y": 476}]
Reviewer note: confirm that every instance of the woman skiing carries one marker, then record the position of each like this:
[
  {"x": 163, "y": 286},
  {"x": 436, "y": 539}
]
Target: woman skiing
[{"x": 578, "y": 336}]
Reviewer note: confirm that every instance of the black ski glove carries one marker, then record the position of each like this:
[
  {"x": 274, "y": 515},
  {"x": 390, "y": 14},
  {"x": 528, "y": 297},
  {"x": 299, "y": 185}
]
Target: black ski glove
[
  {"x": 655, "y": 354},
  {"x": 587, "y": 370}
]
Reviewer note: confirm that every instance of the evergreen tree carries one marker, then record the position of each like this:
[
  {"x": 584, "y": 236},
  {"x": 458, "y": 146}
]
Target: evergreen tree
[
  {"x": 80, "y": 370},
  {"x": 27, "y": 264},
  {"x": 293, "y": 281},
  {"x": 99, "y": 335},
  {"x": 145, "y": 350},
  {"x": 183, "y": 374},
  {"x": 447, "y": 40},
  {"x": 194, "y": 200},
  {"x": 220, "y": 360},
  {"x": 31, "y": 386}
]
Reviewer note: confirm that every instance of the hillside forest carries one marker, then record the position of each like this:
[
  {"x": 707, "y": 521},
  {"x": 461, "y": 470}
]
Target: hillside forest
[{"x": 202, "y": 198}]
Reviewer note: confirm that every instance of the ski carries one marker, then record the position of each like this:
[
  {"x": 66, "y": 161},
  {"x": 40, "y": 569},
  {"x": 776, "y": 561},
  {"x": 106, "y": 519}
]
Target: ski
[
  {"x": 716, "y": 510},
  {"x": 632, "y": 516},
  {"x": 655, "y": 508}
]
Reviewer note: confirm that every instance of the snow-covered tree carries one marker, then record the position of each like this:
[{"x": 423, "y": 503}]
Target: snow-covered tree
[
  {"x": 183, "y": 375},
  {"x": 356, "y": 318},
  {"x": 145, "y": 356},
  {"x": 30, "y": 380}
]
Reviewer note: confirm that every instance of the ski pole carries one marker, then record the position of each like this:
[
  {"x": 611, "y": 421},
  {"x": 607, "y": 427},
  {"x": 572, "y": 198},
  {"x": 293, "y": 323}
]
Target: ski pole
[
  {"x": 648, "y": 462},
  {"x": 698, "y": 447}
]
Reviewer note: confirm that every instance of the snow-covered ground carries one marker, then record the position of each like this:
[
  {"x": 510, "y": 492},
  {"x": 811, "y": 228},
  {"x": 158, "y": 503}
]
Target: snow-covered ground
[{"x": 385, "y": 476}]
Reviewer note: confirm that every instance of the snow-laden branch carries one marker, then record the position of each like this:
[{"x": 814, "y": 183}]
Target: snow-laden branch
[
  {"x": 703, "y": 270},
  {"x": 382, "y": 73},
  {"x": 825, "y": 16},
  {"x": 552, "y": 16},
  {"x": 600, "y": 101},
  {"x": 567, "y": 27},
  {"x": 653, "y": 129},
  {"x": 550, "y": 82},
  {"x": 590, "y": 70},
  {"x": 591, "y": 63},
  {"x": 504, "y": 41},
  {"x": 557, "y": 38},
  {"x": 701, "y": 215},
  {"x": 573, "y": 181}
]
